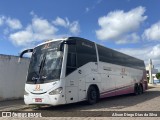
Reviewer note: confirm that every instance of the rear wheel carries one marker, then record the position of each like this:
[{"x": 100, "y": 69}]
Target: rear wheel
[
  {"x": 140, "y": 89},
  {"x": 136, "y": 89},
  {"x": 92, "y": 95}
]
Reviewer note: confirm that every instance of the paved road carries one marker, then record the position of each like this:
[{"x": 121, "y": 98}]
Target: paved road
[
  {"x": 149, "y": 101},
  {"x": 11, "y": 105}
]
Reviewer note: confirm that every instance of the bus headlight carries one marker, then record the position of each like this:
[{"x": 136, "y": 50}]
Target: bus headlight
[
  {"x": 56, "y": 91},
  {"x": 26, "y": 93}
]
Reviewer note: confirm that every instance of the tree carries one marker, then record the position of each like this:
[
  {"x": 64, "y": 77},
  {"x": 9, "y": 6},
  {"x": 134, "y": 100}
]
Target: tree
[{"x": 158, "y": 75}]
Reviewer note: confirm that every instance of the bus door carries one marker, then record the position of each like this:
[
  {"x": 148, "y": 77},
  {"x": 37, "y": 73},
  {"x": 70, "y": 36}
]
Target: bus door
[{"x": 71, "y": 81}]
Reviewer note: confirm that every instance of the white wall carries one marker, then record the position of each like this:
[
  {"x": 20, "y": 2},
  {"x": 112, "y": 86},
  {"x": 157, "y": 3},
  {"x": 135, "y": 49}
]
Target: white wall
[{"x": 12, "y": 76}]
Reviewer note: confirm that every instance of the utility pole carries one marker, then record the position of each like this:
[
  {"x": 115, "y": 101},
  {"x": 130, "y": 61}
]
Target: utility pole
[{"x": 150, "y": 72}]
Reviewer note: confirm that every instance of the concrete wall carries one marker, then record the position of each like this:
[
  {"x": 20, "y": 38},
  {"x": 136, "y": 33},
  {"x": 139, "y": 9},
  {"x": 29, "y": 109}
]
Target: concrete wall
[{"x": 12, "y": 76}]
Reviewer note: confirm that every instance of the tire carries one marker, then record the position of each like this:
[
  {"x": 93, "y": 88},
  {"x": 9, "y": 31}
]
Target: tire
[
  {"x": 140, "y": 89},
  {"x": 92, "y": 95},
  {"x": 136, "y": 89}
]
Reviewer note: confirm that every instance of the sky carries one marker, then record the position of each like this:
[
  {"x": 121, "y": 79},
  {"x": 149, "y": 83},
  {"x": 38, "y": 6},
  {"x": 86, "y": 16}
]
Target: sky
[{"x": 129, "y": 26}]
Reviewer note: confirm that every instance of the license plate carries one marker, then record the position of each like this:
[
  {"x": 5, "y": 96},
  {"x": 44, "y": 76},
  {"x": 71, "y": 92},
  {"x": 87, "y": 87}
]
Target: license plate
[{"x": 38, "y": 99}]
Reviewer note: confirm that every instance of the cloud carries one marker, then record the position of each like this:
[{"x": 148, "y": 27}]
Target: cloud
[
  {"x": 41, "y": 29},
  {"x": 6, "y": 31},
  {"x": 119, "y": 24},
  {"x": 1, "y": 21},
  {"x": 22, "y": 38},
  {"x": 152, "y": 33},
  {"x": 154, "y": 53},
  {"x": 145, "y": 53},
  {"x": 87, "y": 9},
  {"x": 38, "y": 30},
  {"x": 2, "y": 18},
  {"x": 93, "y": 6},
  {"x": 130, "y": 38},
  {"x": 73, "y": 27},
  {"x": 13, "y": 23},
  {"x": 61, "y": 22}
]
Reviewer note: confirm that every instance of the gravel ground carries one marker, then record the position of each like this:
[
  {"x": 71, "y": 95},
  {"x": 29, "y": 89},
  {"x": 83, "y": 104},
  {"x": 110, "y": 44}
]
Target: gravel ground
[
  {"x": 149, "y": 101},
  {"x": 11, "y": 105}
]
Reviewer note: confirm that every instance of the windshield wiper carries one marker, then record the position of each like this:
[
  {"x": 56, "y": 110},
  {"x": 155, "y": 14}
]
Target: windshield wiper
[
  {"x": 38, "y": 78},
  {"x": 42, "y": 65}
]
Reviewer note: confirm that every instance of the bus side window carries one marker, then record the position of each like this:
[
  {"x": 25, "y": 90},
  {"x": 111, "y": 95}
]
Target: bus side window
[{"x": 71, "y": 63}]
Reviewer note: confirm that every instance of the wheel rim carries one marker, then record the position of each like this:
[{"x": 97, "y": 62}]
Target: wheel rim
[
  {"x": 136, "y": 90},
  {"x": 93, "y": 95},
  {"x": 140, "y": 90}
]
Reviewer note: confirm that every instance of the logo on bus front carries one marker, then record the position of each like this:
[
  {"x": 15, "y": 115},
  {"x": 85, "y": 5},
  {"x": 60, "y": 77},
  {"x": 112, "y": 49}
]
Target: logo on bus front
[
  {"x": 46, "y": 46},
  {"x": 37, "y": 88}
]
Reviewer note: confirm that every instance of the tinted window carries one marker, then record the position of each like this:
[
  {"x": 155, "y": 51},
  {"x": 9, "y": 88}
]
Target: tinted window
[
  {"x": 115, "y": 57},
  {"x": 86, "y": 52},
  {"x": 71, "y": 48},
  {"x": 105, "y": 54},
  {"x": 71, "y": 59}
]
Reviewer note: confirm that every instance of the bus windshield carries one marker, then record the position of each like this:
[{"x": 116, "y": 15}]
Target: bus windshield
[{"x": 45, "y": 65}]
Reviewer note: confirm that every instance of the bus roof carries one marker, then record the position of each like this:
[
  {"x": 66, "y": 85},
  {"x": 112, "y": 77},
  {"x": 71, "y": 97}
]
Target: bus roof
[
  {"x": 69, "y": 38},
  {"x": 52, "y": 40}
]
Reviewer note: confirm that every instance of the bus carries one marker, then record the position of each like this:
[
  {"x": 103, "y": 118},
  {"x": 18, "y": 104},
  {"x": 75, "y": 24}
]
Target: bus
[{"x": 74, "y": 69}]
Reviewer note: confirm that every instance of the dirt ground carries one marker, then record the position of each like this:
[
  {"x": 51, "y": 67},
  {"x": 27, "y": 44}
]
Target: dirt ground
[{"x": 149, "y": 102}]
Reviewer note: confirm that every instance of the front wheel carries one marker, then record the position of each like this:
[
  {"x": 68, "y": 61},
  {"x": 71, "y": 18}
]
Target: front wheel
[{"x": 92, "y": 95}]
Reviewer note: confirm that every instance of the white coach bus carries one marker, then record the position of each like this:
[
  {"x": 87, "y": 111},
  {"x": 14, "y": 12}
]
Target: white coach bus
[{"x": 74, "y": 69}]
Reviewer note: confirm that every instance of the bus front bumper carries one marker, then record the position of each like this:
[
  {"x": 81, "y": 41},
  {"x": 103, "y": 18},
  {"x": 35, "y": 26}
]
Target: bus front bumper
[{"x": 54, "y": 100}]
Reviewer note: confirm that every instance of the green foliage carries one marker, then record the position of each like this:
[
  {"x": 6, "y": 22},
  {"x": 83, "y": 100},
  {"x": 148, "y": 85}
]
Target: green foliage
[{"x": 158, "y": 75}]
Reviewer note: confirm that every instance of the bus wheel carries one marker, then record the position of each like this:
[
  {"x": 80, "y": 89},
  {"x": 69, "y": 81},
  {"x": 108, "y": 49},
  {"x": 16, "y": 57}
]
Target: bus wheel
[
  {"x": 136, "y": 89},
  {"x": 140, "y": 89},
  {"x": 92, "y": 95}
]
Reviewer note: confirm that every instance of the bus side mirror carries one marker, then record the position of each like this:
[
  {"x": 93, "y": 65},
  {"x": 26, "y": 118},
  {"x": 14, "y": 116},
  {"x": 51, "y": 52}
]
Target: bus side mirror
[{"x": 23, "y": 52}]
